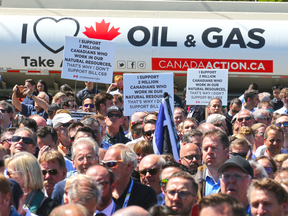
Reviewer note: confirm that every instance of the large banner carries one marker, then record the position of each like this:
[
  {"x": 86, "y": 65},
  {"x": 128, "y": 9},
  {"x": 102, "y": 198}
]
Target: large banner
[{"x": 149, "y": 44}]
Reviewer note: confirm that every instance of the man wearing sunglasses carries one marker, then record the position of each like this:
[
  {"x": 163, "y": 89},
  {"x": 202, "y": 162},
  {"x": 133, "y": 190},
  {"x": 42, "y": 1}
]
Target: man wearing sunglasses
[
  {"x": 24, "y": 139},
  {"x": 53, "y": 168},
  {"x": 113, "y": 122},
  {"x": 190, "y": 156},
  {"x": 244, "y": 118},
  {"x": 282, "y": 121},
  {"x": 105, "y": 177},
  {"x": 7, "y": 115},
  {"x": 149, "y": 170},
  {"x": 181, "y": 193},
  {"x": 122, "y": 161},
  {"x": 88, "y": 104},
  {"x": 148, "y": 130},
  {"x": 236, "y": 175},
  {"x": 262, "y": 116},
  {"x": 234, "y": 108},
  {"x": 251, "y": 100}
]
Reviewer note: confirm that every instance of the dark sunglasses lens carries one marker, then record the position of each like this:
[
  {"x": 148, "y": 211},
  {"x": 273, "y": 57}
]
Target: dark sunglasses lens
[
  {"x": 27, "y": 140},
  {"x": 110, "y": 164},
  {"x": 285, "y": 124},
  {"x": 3, "y": 110},
  {"x": 53, "y": 172},
  {"x": 268, "y": 169},
  {"x": 149, "y": 133},
  {"x": 66, "y": 125},
  {"x": 2, "y": 163},
  {"x": 16, "y": 138}
]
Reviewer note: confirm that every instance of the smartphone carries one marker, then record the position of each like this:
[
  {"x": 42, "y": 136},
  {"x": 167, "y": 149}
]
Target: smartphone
[{"x": 19, "y": 93}]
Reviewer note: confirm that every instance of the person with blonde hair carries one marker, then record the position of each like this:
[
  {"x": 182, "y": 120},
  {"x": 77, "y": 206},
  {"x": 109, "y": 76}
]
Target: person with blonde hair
[
  {"x": 25, "y": 169},
  {"x": 259, "y": 130},
  {"x": 118, "y": 82},
  {"x": 58, "y": 97},
  {"x": 279, "y": 158}
]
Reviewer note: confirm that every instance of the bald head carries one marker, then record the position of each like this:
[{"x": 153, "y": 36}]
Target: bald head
[
  {"x": 39, "y": 120},
  {"x": 151, "y": 178},
  {"x": 138, "y": 117},
  {"x": 205, "y": 127},
  {"x": 70, "y": 210},
  {"x": 190, "y": 156},
  {"x": 131, "y": 211}
]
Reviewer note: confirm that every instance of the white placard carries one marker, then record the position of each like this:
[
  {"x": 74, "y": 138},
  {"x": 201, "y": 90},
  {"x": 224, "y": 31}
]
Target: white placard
[
  {"x": 88, "y": 60},
  {"x": 79, "y": 115},
  {"x": 144, "y": 92},
  {"x": 203, "y": 85}
]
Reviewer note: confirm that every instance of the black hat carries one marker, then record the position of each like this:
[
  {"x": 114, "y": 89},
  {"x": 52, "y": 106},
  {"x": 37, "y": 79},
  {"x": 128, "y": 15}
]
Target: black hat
[
  {"x": 114, "y": 109},
  {"x": 240, "y": 162}
]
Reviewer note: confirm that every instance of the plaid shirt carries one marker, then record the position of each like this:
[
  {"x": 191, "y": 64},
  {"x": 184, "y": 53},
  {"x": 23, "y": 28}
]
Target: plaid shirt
[{"x": 119, "y": 138}]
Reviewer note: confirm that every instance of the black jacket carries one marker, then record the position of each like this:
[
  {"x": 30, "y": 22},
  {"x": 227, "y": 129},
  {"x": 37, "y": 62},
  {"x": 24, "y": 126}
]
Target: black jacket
[{"x": 141, "y": 195}]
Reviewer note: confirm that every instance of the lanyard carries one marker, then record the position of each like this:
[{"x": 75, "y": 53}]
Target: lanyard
[{"x": 128, "y": 195}]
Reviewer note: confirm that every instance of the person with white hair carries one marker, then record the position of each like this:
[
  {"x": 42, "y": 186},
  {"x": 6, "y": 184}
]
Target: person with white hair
[
  {"x": 84, "y": 190},
  {"x": 122, "y": 161},
  {"x": 262, "y": 116},
  {"x": 264, "y": 96}
]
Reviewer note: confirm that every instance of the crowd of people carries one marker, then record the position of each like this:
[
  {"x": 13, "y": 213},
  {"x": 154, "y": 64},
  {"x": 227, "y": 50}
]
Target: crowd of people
[{"x": 232, "y": 160}]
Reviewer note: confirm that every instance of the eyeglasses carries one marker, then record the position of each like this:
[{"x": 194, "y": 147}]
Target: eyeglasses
[
  {"x": 285, "y": 124},
  {"x": 246, "y": 119},
  {"x": 182, "y": 194},
  {"x": 175, "y": 88},
  {"x": 3, "y": 110},
  {"x": 51, "y": 172},
  {"x": 89, "y": 105},
  {"x": 25, "y": 140},
  {"x": 103, "y": 183},
  {"x": 152, "y": 172},
  {"x": 66, "y": 125},
  {"x": 163, "y": 182},
  {"x": 235, "y": 111},
  {"x": 268, "y": 169},
  {"x": 2, "y": 164},
  {"x": 8, "y": 140},
  {"x": 89, "y": 158},
  {"x": 111, "y": 115},
  {"x": 266, "y": 118},
  {"x": 239, "y": 154},
  {"x": 10, "y": 173},
  {"x": 237, "y": 176},
  {"x": 190, "y": 157},
  {"x": 111, "y": 163},
  {"x": 149, "y": 133}
]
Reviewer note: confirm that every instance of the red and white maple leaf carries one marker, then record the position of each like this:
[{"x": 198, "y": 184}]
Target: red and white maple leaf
[{"x": 102, "y": 31}]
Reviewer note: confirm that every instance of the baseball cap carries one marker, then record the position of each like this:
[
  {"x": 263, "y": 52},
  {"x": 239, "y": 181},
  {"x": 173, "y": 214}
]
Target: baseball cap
[
  {"x": 114, "y": 109},
  {"x": 239, "y": 162},
  {"x": 61, "y": 118}
]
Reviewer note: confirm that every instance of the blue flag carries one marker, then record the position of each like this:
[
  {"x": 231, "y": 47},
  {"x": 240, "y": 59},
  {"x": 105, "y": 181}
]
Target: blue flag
[{"x": 166, "y": 139}]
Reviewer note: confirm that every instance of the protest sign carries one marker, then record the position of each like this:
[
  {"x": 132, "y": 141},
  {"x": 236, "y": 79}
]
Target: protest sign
[
  {"x": 203, "y": 85},
  {"x": 144, "y": 92},
  {"x": 79, "y": 115},
  {"x": 88, "y": 60}
]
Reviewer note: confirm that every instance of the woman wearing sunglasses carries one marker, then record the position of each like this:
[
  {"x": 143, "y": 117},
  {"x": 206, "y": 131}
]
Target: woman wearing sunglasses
[
  {"x": 25, "y": 169},
  {"x": 141, "y": 148}
]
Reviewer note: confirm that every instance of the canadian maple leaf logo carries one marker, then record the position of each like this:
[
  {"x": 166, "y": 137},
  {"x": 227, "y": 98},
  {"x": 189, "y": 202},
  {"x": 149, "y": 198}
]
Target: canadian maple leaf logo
[{"x": 102, "y": 31}]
